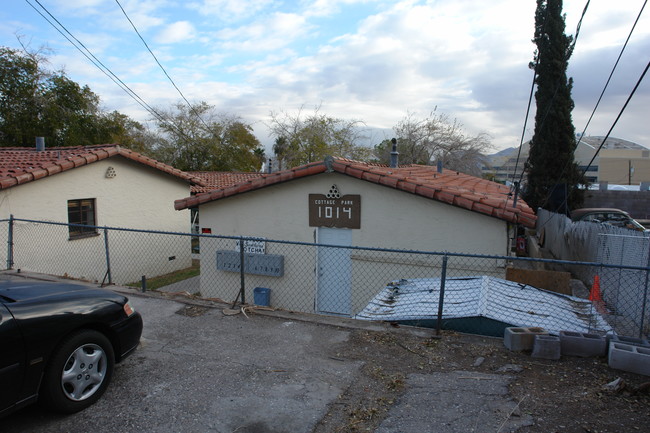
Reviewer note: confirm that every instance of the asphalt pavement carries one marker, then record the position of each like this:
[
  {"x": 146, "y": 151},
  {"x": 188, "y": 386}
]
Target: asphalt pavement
[{"x": 199, "y": 370}]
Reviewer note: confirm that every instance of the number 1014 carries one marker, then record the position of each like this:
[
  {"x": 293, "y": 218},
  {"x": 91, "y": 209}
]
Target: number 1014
[{"x": 334, "y": 212}]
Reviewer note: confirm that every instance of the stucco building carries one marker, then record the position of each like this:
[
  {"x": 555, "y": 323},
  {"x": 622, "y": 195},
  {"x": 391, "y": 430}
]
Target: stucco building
[
  {"x": 348, "y": 203},
  {"x": 98, "y": 186}
]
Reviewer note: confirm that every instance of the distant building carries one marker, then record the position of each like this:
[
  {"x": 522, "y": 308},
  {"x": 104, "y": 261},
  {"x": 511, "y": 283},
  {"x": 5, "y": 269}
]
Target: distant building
[{"x": 618, "y": 162}]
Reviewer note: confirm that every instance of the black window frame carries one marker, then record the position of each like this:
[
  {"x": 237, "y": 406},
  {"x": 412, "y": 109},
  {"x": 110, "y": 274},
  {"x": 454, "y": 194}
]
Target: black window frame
[{"x": 82, "y": 212}]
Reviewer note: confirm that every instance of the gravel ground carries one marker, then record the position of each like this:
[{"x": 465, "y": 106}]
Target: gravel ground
[
  {"x": 199, "y": 370},
  {"x": 565, "y": 396}
]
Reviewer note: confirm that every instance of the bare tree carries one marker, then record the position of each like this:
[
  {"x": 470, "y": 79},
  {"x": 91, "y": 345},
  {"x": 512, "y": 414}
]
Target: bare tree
[
  {"x": 436, "y": 138},
  {"x": 300, "y": 139}
]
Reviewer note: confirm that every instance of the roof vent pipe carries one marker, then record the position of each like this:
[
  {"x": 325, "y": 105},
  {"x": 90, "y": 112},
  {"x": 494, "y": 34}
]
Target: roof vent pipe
[
  {"x": 394, "y": 154},
  {"x": 40, "y": 144}
]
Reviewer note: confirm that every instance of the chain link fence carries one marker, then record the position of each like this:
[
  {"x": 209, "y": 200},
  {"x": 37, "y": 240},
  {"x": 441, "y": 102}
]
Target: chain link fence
[
  {"x": 620, "y": 285},
  {"x": 463, "y": 292}
]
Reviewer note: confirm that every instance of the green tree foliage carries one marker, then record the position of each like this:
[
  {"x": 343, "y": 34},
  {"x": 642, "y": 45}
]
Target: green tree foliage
[
  {"x": 197, "y": 139},
  {"x": 37, "y": 103},
  {"x": 436, "y": 138},
  {"x": 302, "y": 139},
  {"x": 552, "y": 171},
  {"x": 20, "y": 86}
]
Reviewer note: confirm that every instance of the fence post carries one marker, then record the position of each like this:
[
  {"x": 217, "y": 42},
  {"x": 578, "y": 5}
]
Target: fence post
[
  {"x": 645, "y": 296},
  {"x": 441, "y": 301},
  {"x": 242, "y": 288},
  {"x": 108, "y": 256},
  {"x": 241, "y": 270},
  {"x": 10, "y": 243}
]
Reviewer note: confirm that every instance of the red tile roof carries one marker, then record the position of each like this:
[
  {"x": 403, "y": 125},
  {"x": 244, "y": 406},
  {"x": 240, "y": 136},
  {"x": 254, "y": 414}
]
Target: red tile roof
[
  {"x": 20, "y": 165},
  {"x": 451, "y": 187},
  {"x": 220, "y": 179}
]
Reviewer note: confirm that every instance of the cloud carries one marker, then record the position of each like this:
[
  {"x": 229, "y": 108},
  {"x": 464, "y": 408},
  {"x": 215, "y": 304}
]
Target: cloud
[
  {"x": 412, "y": 57},
  {"x": 108, "y": 15},
  {"x": 271, "y": 33},
  {"x": 78, "y": 5},
  {"x": 180, "y": 31},
  {"x": 230, "y": 10},
  {"x": 404, "y": 54},
  {"x": 358, "y": 59},
  {"x": 322, "y": 8}
]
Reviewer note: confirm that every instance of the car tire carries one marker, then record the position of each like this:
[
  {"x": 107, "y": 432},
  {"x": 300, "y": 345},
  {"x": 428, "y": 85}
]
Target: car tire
[{"x": 78, "y": 372}]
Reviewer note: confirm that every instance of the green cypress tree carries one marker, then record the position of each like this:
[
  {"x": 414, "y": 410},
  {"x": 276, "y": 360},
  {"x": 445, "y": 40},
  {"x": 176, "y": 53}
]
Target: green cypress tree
[{"x": 553, "y": 176}]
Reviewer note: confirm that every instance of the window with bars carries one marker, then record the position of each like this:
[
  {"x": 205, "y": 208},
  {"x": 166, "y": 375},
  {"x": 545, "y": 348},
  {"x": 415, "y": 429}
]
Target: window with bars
[{"x": 81, "y": 212}]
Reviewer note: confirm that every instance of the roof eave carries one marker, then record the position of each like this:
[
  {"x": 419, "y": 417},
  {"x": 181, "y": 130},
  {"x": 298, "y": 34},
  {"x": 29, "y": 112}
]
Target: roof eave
[{"x": 493, "y": 208}]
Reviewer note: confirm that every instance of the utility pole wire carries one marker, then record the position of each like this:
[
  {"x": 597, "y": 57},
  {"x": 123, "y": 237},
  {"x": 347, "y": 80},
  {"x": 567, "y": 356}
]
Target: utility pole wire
[
  {"x": 517, "y": 184},
  {"x": 161, "y": 67},
  {"x": 566, "y": 166},
  {"x": 105, "y": 69},
  {"x": 612, "y": 72},
  {"x": 93, "y": 59},
  {"x": 599, "y": 99},
  {"x": 619, "y": 116}
]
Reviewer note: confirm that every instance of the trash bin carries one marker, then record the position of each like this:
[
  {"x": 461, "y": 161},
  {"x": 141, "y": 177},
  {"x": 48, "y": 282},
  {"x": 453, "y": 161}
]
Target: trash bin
[{"x": 262, "y": 296}]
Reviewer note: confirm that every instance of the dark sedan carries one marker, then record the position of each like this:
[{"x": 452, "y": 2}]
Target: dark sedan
[{"x": 59, "y": 343}]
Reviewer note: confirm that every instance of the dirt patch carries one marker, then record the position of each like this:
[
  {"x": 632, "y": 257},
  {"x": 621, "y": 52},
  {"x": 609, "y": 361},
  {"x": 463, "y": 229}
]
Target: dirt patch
[
  {"x": 560, "y": 396},
  {"x": 193, "y": 310}
]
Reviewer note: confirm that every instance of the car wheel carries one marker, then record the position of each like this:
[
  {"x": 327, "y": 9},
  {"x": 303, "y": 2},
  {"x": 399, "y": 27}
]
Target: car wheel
[{"x": 79, "y": 372}]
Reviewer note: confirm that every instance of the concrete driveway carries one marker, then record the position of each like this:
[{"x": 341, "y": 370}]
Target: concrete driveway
[
  {"x": 198, "y": 370},
  {"x": 202, "y": 371}
]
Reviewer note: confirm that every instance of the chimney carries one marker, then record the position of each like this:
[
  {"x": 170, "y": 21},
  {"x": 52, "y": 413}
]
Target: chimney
[
  {"x": 394, "y": 154},
  {"x": 439, "y": 166},
  {"x": 40, "y": 144}
]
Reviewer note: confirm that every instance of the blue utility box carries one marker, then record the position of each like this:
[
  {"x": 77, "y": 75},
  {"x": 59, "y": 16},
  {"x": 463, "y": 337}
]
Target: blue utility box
[{"x": 262, "y": 296}]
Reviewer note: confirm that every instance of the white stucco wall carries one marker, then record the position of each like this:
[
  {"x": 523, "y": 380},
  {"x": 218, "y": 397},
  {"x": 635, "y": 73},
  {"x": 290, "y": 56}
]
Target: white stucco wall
[
  {"x": 389, "y": 219},
  {"x": 138, "y": 197}
]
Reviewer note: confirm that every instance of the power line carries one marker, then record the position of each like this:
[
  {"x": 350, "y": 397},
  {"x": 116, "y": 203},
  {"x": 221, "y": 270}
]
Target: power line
[
  {"x": 568, "y": 54},
  {"x": 636, "y": 86},
  {"x": 161, "y": 66},
  {"x": 566, "y": 166},
  {"x": 105, "y": 69},
  {"x": 599, "y": 99},
  {"x": 612, "y": 71},
  {"x": 91, "y": 57}
]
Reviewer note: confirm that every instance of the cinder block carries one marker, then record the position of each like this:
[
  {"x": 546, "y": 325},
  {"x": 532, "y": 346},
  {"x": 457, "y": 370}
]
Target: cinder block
[
  {"x": 580, "y": 344},
  {"x": 627, "y": 357},
  {"x": 613, "y": 338},
  {"x": 546, "y": 347},
  {"x": 521, "y": 338}
]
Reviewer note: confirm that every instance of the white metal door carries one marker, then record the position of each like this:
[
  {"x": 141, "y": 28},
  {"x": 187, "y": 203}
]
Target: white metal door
[{"x": 334, "y": 272}]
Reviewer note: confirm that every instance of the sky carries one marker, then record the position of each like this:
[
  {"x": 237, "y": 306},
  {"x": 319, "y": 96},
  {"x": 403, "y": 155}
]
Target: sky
[{"x": 370, "y": 60}]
